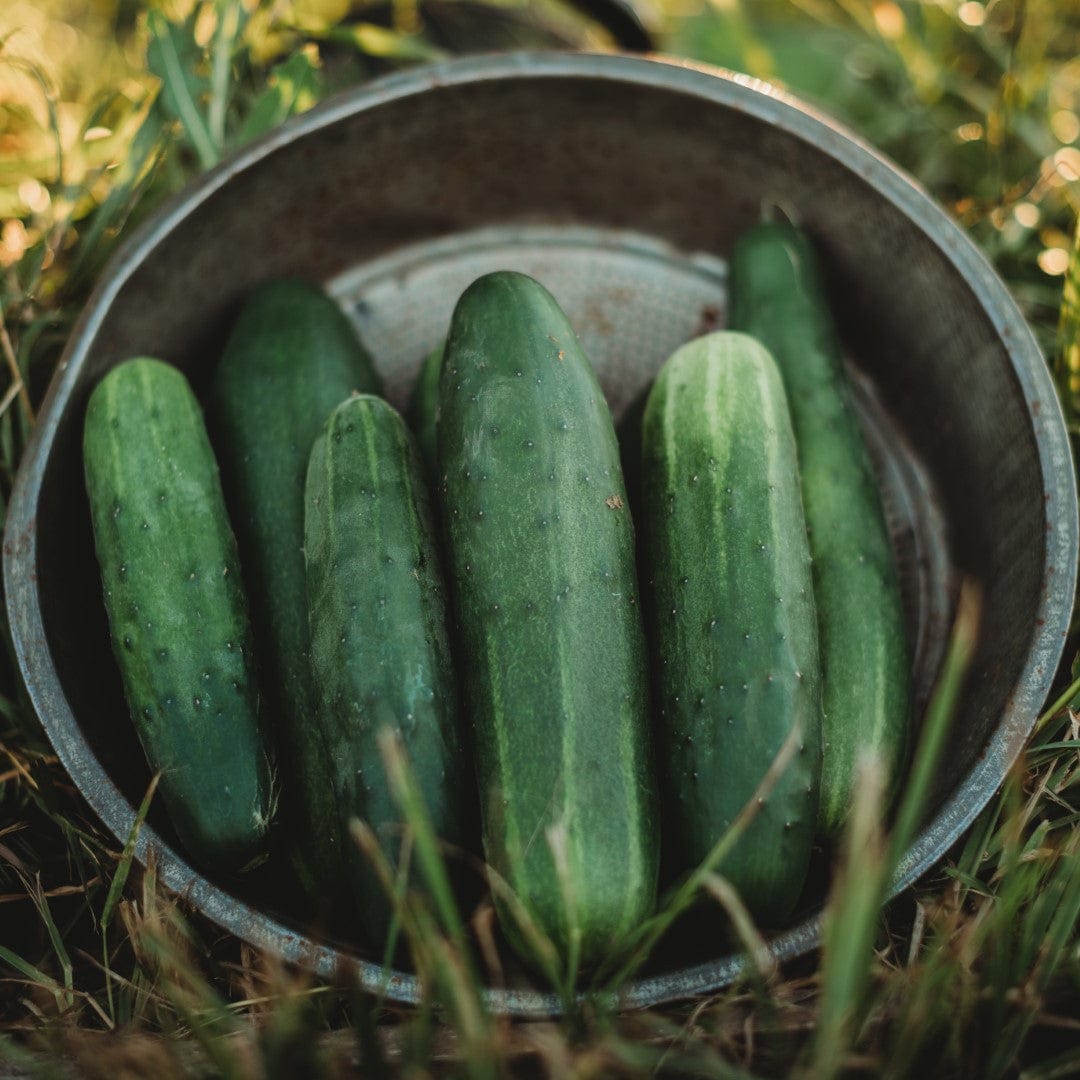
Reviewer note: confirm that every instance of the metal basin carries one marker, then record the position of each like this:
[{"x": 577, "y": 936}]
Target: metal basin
[{"x": 621, "y": 183}]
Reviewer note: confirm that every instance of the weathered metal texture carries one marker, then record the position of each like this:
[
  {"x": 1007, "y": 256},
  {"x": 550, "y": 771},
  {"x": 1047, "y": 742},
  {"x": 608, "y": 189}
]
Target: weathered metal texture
[{"x": 622, "y": 183}]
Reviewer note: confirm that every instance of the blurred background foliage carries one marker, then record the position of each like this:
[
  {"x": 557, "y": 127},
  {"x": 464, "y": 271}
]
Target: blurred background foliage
[
  {"x": 106, "y": 107},
  {"x": 980, "y": 101}
]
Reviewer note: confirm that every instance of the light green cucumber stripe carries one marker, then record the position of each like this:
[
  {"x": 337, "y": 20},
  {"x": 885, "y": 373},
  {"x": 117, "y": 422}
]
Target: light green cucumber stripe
[
  {"x": 561, "y": 794},
  {"x": 402, "y": 442},
  {"x": 774, "y": 407},
  {"x": 493, "y": 681},
  {"x": 115, "y": 407},
  {"x": 329, "y": 508},
  {"x": 718, "y": 388},
  {"x": 565, "y": 793},
  {"x": 113, "y": 434},
  {"x": 369, "y": 422},
  {"x": 403, "y": 445},
  {"x": 670, "y": 427},
  {"x": 631, "y": 770},
  {"x": 881, "y": 707}
]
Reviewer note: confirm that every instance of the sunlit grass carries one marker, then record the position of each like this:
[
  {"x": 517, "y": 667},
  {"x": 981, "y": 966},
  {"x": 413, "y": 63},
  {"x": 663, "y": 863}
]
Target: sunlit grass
[{"x": 105, "y": 107}]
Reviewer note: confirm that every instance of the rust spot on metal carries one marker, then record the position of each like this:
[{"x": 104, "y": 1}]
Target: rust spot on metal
[{"x": 709, "y": 319}]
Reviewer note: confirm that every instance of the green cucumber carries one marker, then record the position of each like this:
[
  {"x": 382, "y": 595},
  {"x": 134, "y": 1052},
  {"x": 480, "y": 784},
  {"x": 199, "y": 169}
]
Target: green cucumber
[
  {"x": 422, "y": 412},
  {"x": 176, "y": 608},
  {"x": 777, "y": 296},
  {"x": 291, "y": 358},
  {"x": 732, "y": 611},
  {"x": 379, "y": 641},
  {"x": 541, "y": 550}
]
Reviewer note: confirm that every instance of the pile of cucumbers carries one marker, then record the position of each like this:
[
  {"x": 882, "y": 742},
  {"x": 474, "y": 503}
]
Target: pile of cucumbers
[{"x": 476, "y": 586}]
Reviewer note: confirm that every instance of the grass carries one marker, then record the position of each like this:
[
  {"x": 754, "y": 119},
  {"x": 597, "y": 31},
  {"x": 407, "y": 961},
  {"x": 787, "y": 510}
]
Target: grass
[{"x": 974, "y": 973}]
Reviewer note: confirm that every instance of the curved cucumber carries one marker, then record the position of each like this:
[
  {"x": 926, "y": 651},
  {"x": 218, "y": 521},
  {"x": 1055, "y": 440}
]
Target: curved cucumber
[
  {"x": 776, "y": 295},
  {"x": 291, "y": 358},
  {"x": 422, "y": 412},
  {"x": 735, "y": 636},
  {"x": 379, "y": 645},
  {"x": 542, "y": 552},
  {"x": 176, "y": 608}
]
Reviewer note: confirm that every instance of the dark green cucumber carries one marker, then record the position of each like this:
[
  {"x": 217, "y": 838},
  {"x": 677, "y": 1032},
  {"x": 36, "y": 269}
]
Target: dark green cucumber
[
  {"x": 176, "y": 608},
  {"x": 732, "y": 610},
  {"x": 291, "y": 358},
  {"x": 553, "y": 656},
  {"x": 776, "y": 295},
  {"x": 379, "y": 642},
  {"x": 423, "y": 408}
]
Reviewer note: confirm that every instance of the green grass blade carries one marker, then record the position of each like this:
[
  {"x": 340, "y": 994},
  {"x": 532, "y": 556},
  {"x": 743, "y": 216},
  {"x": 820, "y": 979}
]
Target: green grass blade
[
  {"x": 406, "y": 792},
  {"x": 644, "y": 940},
  {"x": 1063, "y": 701},
  {"x": 293, "y": 86},
  {"x": 760, "y": 966},
  {"x": 542, "y": 950},
  {"x": 1069, "y": 331},
  {"x": 116, "y": 886},
  {"x": 869, "y": 860},
  {"x": 913, "y": 803},
  {"x": 169, "y": 56},
  {"x": 40, "y": 1065},
  {"x": 444, "y": 970},
  {"x": 849, "y": 924},
  {"x": 1064, "y": 1066},
  {"x": 378, "y": 41},
  {"x": 229, "y": 14},
  {"x": 364, "y": 1014},
  {"x": 28, "y": 971},
  {"x": 1049, "y": 927},
  {"x": 132, "y": 177},
  {"x": 56, "y": 939}
]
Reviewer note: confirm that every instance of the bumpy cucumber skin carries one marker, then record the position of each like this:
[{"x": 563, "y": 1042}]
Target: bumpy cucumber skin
[
  {"x": 776, "y": 296},
  {"x": 422, "y": 412},
  {"x": 732, "y": 610},
  {"x": 541, "y": 547},
  {"x": 291, "y": 358},
  {"x": 379, "y": 639},
  {"x": 176, "y": 608}
]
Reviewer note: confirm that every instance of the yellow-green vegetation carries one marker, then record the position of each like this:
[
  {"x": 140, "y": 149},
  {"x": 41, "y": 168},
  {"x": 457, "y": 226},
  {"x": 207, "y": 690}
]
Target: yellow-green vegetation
[{"x": 106, "y": 106}]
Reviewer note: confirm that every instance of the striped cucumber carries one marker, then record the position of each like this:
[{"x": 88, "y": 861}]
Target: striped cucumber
[
  {"x": 732, "y": 610},
  {"x": 176, "y": 608},
  {"x": 776, "y": 295},
  {"x": 379, "y": 645},
  {"x": 291, "y": 358},
  {"x": 541, "y": 549},
  {"x": 422, "y": 412}
]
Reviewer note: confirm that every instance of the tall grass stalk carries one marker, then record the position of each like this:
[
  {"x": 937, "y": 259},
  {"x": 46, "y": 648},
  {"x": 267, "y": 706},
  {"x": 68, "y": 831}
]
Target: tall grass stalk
[
  {"x": 963, "y": 976},
  {"x": 870, "y": 857}
]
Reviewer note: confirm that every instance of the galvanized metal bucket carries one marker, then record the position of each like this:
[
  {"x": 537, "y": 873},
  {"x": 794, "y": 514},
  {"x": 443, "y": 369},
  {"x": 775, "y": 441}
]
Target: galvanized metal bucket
[{"x": 621, "y": 184}]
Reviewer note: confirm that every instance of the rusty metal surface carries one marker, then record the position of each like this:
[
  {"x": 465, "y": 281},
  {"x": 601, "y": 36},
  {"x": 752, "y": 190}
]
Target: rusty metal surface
[{"x": 621, "y": 183}]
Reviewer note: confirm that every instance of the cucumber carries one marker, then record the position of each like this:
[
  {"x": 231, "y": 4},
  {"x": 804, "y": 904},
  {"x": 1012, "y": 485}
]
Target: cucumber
[
  {"x": 380, "y": 650},
  {"x": 291, "y": 358},
  {"x": 176, "y": 608},
  {"x": 423, "y": 405},
  {"x": 541, "y": 551},
  {"x": 732, "y": 612},
  {"x": 776, "y": 295}
]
